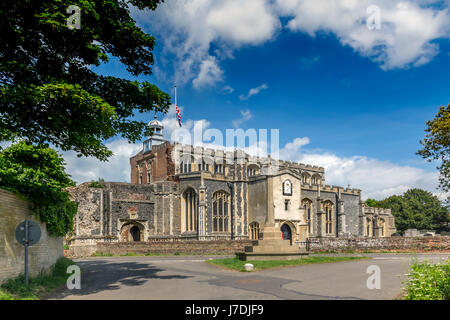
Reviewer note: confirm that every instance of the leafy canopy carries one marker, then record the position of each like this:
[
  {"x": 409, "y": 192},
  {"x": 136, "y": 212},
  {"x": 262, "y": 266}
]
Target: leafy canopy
[
  {"x": 436, "y": 145},
  {"x": 38, "y": 173},
  {"x": 371, "y": 202},
  {"x": 418, "y": 209},
  {"x": 48, "y": 91}
]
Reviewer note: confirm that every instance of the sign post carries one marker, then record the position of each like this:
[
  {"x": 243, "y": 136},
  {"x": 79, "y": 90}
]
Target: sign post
[{"x": 28, "y": 233}]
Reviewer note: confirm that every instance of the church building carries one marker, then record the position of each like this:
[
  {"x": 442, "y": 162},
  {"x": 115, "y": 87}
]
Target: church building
[{"x": 185, "y": 192}]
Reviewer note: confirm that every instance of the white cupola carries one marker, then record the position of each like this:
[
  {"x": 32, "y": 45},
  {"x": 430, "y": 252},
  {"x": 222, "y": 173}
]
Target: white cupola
[{"x": 157, "y": 138}]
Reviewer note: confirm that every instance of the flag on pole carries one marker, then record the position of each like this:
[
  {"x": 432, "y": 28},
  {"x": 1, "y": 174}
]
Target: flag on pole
[
  {"x": 178, "y": 115},
  {"x": 177, "y": 111}
]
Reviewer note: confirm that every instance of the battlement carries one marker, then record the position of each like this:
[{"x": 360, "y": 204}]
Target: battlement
[
  {"x": 238, "y": 156},
  {"x": 376, "y": 211}
]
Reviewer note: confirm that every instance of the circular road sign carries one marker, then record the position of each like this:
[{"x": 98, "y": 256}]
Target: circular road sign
[{"x": 34, "y": 233}]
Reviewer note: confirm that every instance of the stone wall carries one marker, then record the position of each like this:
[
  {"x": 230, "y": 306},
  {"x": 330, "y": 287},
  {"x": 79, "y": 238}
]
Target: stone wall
[
  {"x": 381, "y": 244},
  {"x": 171, "y": 247},
  {"x": 104, "y": 212},
  {"x": 12, "y": 254}
]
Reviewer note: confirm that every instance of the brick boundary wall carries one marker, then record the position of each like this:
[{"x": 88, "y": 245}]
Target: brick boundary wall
[
  {"x": 419, "y": 244},
  {"x": 42, "y": 255},
  {"x": 182, "y": 247}
]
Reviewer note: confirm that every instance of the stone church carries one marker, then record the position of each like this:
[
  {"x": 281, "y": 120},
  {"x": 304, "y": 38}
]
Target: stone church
[{"x": 184, "y": 192}]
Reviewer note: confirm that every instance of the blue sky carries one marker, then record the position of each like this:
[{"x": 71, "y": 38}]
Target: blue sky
[{"x": 358, "y": 98}]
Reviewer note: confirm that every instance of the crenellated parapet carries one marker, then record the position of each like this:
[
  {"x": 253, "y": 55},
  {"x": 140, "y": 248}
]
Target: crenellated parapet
[{"x": 197, "y": 155}]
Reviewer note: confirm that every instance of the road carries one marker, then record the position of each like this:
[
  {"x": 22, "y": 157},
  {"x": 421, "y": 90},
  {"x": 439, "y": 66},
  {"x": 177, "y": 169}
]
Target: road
[{"x": 190, "y": 278}]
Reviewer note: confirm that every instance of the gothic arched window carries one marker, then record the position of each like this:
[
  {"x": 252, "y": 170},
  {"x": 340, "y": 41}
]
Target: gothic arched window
[
  {"x": 328, "y": 206},
  {"x": 382, "y": 227},
  {"x": 190, "y": 210},
  {"x": 307, "y": 205},
  {"x": 368, "y": 227},
  {"x": 221, "y": 211}
]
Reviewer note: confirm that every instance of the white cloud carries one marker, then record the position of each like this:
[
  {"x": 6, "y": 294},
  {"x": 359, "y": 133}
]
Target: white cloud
[
  {"x": 198, "y": 34},
  {"x": 117, "y": 169},
  {"x": 377, "y": 179},
  {"x": 209, "y": 74},
  {"x": 243, "y": 22},
  {"x": 253, "y": 92},
  {"x": 227, "y": 90},
  {"x": 188, "y": 29},
  {"x": 245, "y": 116},
  {"x": 407, "y": 27}
]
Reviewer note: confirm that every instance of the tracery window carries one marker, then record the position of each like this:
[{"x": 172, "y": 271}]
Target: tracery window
[
  {"x": 328, "y": 206},
  {"x": 305, "y": 178},
  {"x": 315, "y": 180},
  {"x": 221, "y": 211},
  {"x": 252, "y": 170},
  {"x": 190, "y": 210},
  {"x": 185, "y": 167},
  {"x": 307, "y": 205},
  {"x": 219, "y": 168}
]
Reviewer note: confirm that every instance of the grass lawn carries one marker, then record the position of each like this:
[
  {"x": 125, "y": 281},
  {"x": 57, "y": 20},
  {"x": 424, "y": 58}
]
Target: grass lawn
[
  {"x": 15, "y": 289},
  {"x": 236, "y": 264}
]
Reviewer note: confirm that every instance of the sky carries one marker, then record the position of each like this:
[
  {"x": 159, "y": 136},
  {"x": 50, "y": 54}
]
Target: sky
[{"x": 348, "y": 83}]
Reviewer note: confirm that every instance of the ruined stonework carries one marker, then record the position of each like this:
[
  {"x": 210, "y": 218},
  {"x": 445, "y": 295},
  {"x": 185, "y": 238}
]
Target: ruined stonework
[
  {"x": 182, "y": 192},
  {"x": 124, "y": 212}
]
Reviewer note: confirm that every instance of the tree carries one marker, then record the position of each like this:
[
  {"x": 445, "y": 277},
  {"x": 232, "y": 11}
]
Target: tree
[
  {"x": 371, "y": 202},
  {"x": 436, "y": 145},
  {"x": 48, "y": 91},
  {"x": 418, "y": 209},
  {"x": 38, "y": 173}
]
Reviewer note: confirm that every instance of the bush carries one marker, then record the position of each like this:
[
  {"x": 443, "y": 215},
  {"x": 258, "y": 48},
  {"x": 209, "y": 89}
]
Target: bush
[
  {"x": 429, "y": 281},
  {"x": 38, "y": 174},
  {"x": 96, "y": 184},
  {"x": 17, "y": 289}
]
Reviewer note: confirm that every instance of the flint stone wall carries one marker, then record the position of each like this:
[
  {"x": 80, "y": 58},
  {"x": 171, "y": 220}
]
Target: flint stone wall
[{"x": 441, "y": 243}]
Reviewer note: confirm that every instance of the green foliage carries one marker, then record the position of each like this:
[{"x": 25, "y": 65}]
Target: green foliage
[
  {"x": 97, "y": 184},
  {"x": 428, "y": 281},
  {"x": 436, "y": 145},
  {"x": 418, "y": 209},
  {"x": 16, "y": 288},
  {"x": 371, "y": 202},
  {"x": 49, "y": 92},
  {"x": 37, "y": 172},
  {"x": 236, "y": 264}
]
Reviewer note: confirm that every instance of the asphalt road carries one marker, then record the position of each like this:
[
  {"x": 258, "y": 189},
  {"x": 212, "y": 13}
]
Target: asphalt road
[{"x": 190, "y": 278}]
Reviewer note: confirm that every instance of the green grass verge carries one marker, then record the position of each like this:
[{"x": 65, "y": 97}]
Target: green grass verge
[
  {"x": 236, "y": 264},
  {"x": 427, "y": 281},
  {"x": 15, "y": 289}
]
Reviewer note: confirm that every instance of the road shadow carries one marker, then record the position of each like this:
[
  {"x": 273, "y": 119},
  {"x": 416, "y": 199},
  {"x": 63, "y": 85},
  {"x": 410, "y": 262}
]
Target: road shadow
[{"x": 98, "y": 276}]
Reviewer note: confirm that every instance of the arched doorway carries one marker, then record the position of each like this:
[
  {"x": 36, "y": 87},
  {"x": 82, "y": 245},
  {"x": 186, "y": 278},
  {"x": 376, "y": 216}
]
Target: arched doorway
[
  {"x": 132, "y": 232},
  {"x": 287, "y": 233},
  {"x": 135, "y": 234}
]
